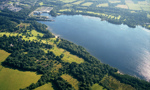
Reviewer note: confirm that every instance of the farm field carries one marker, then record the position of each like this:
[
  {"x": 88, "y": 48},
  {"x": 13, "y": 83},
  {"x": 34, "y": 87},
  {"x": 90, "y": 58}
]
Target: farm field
[
  {"x": 47, "y": 86},
  {"x": 103, "y": 5},
  {"x": 111, "y": 82},
  {"x": 87, "y": 4},
  {"x": 11, "y": 79},
  {"x": 71, "y": 80},
  {"x": 97, "y": 87}
]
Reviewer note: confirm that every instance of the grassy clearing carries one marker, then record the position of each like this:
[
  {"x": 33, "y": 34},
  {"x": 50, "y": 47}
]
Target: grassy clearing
[
  {"x": 97, "y": 87},
  {"x": 11, "y": 79},
  {"x": 87, "y": 4},
  {"x": 122, "y": 6},
  {"x": 71, "y": 80},
  {"x": 8, "y": 34},
  {"x": 111, "y": 82},
  {"x": 35, "y": 33},
  {"x": 67, "y": 56},
  {"x": 67, "y": 1},
  {"x": 47, "y": 86},
  {"x": 41, "y": 3},
  {"x": 133, "y": 6},
  {"x": 114, "y": 1},
  {"x": 62, "y": 10},
  {"x": 3, "y": 56},
  {"x": 23, "y": 24},
  {"x": 103, "y": 5},
  {"x": 78, "y": 2},
  {"x": 67, "y": 5}
]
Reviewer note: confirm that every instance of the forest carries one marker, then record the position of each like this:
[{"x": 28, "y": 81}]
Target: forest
[{"x": 37, "y": 55}]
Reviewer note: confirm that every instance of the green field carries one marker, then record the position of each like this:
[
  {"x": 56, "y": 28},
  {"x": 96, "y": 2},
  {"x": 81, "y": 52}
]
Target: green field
[
  {"x": 67, "y": 56},
  {"x": 111, "y": 82},
  {"x": 47, "y": 86},
  {"x": 67, "y": 1},
  {"x": 41, "y": 3},
  {"x": 103, "y": 5},
  {"x": 11, "y": 79},
  {"x": 87, "y": 4},
  {"x": 71, "y": 80},
  {"x": 97, "y": 87},
  {"x": 133, "y": 6},
  {"x": 78, "y": 2},
  {"x": 114, "y": 1}
]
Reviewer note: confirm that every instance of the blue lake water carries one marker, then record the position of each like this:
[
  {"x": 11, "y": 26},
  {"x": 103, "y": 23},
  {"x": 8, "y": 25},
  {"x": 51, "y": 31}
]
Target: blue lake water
[{"x": 127, "y": 49}]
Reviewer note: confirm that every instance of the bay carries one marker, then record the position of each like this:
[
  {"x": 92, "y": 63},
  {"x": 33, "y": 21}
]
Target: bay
[{"x": 122, "y": 47}]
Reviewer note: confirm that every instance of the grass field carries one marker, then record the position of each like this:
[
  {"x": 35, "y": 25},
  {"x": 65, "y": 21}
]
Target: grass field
[
  {"x": 67, "y": 1},
  {"x": 67, "y": 56},
  {"x": 71, "y": 80},
  {"x": 87, "y": 4},
  {"x": 122, "y": 6},
  {"x": 8, "y": 34},
  {"x": 11, "y": 79},
  {"x": 62, "y": 10},
  {"x": 103, "y": 5},
  {"x": 114, "y": 1},
  {"x": 97, "y": 87},
  {"x": 111, "y": 82},
  {"x": 133, "y": 6},
  {"x": 41, "y": 3},
  {"x": 78, "y": 2},
  {"x": 3, "y": 56},
  {"x": 47, "y": 86}
]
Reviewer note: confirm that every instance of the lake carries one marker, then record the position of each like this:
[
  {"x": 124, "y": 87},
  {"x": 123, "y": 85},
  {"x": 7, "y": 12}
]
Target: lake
[{"x": 127, "y": 49}]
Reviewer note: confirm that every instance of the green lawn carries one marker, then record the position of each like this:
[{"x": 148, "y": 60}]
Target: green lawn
[{"x": 11, "y": 79}]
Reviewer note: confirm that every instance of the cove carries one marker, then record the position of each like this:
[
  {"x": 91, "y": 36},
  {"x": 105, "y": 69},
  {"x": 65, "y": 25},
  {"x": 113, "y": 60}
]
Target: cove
[{"x": 127, "y": 49}]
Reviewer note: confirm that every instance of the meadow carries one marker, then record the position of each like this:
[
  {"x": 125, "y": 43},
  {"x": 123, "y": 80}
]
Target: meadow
[
  {"x": 11, "y": 79},
  {"x": 71, "y": 80}
]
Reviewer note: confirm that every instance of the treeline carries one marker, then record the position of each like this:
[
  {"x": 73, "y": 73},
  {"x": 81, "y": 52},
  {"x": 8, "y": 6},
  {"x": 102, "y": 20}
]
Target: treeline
[
  {"x": 8, "y": 24},
  {"x": 40, "y": 28},
  {"x": 77, "y": 50}
]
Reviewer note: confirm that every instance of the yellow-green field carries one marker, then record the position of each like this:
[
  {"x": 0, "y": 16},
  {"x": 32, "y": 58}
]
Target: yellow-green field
[
  {"x": 67, "y": 1},
  {"x": 11, "y": 79},
  {"x": 67, "y": 56},
  {"x": 67, "y": 5},
  {"x": 62, "y": 10},
  {"x": 111, "y": 82},
  {"x": 114, "y": 1},
  {"x": 3, "y": 56},
  {"x": 97, "y": 87},
  {"x": 87, "y": 4},
  {"x": 103, "y": 5},
  {"x": 122, "y": 6},
  {"x": 133, "y": 6},
  {"x": 71, "y": 80},
  {"x": 8, "y": 34},
  {"x": 47, "y": 86},
  {"x": 41, "y": 3},
  {"x": 78, "y": 2}
]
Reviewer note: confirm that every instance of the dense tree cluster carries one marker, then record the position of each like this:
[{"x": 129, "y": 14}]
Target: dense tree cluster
[{"x": 77, "y": 50}]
